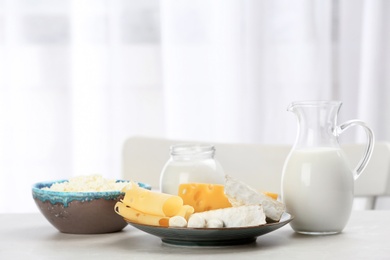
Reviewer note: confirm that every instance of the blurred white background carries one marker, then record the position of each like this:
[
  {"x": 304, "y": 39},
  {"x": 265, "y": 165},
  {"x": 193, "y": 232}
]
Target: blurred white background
[{"x": 77, "y": 77}]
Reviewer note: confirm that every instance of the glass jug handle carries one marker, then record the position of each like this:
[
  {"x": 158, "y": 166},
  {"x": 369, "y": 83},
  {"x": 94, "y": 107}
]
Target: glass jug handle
[{"x": 369, "y": 147}]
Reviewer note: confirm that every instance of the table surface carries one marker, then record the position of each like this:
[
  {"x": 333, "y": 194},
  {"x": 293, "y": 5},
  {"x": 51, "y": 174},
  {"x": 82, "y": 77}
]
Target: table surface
[{"x": 30, "y": 236}]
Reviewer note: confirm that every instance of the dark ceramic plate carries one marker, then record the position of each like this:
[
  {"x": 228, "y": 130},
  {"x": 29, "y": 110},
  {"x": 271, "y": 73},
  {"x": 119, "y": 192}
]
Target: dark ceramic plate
[{"x": 212, "y": 236}]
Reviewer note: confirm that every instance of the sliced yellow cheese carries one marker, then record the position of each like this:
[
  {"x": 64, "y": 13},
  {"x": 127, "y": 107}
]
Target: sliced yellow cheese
[
  {"x": 151, "y": 202},
  {"x": 203, "y": 196},
  {"x": 133, "y": 215},
  {"x": 186, "y": 211}
]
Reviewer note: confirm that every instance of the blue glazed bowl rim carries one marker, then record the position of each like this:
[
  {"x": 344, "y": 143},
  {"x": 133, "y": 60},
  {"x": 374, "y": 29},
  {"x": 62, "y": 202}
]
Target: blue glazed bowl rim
[{"x": 65, "y": 197}]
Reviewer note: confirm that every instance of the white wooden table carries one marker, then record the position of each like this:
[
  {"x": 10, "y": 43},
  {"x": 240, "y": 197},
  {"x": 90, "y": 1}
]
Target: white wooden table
[{"x": 30, "y": 236}]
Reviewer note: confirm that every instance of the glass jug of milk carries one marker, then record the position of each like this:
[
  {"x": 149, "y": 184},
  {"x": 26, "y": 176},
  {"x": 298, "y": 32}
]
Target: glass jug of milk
[
  {"x": 190, "y": 163},
  {"x": 317, "y": 180}
]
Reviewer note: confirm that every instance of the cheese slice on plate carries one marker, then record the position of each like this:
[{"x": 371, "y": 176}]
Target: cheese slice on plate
[
  {"x": 151, "y": 202},
  {"x": 136, "y": 216},
  {"x": 185, "y": 211},
  {"x": 240, "y": 193}
]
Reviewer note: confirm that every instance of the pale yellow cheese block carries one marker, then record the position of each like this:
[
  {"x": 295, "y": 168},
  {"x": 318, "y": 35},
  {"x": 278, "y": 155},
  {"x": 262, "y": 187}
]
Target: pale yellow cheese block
[
  {"x": 133, "y": 215},
  {"x": 151, "y": 202}
]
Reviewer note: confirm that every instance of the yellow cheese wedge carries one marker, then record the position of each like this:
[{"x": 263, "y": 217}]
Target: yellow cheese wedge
[
  {"x": 136, "y": 216},
  {"x": 151, "y": 202},
  {"x": 271, "y": 195},
  {"x": 203, "y": 196}
]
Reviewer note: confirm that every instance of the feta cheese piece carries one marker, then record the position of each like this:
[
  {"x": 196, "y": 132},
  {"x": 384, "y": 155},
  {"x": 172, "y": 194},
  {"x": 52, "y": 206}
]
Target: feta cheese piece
[
  {"x": 214, "y": 223},
  {"x": 196, "y": 221},
  {"x": 242, "y": 216},
  {"x": 239, "y": 194},
  {"x": 177, "y": 221}
]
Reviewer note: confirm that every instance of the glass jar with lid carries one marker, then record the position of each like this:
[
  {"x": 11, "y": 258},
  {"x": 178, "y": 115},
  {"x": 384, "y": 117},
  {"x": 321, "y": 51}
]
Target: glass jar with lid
[{"x": 190, "y": 163}]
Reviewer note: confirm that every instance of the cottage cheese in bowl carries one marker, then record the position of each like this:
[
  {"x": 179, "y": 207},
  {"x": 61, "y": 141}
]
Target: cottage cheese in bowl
[
  {"x": 90, "y": 183},
  {"x": 82, "y": 205}
]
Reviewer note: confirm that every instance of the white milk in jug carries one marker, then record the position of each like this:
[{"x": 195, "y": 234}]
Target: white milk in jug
[{"x": 318, "y": 189}]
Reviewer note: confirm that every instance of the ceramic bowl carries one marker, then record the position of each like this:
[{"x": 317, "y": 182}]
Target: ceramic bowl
[{"x": 80, "y": 212}]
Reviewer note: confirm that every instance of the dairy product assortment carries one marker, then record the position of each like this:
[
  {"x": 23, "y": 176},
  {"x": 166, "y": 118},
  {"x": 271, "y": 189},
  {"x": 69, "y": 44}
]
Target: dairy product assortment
[{"x": 200, "y": 205}]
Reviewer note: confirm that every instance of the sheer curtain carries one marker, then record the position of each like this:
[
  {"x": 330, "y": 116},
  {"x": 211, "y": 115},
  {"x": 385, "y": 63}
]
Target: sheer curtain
[
  {"x": 76, "y": 79},
  {"x": 245, "y": 61},
  {"x": 79, "y": 76}
]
